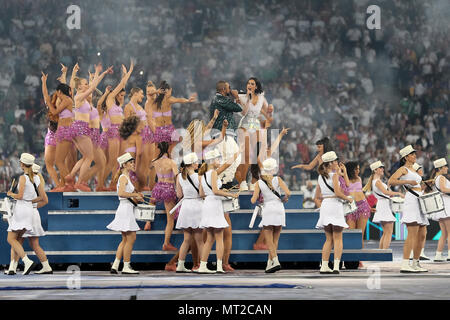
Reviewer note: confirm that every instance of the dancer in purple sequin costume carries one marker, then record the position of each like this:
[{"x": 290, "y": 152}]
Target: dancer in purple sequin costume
[{"x": 164, "y": 190}]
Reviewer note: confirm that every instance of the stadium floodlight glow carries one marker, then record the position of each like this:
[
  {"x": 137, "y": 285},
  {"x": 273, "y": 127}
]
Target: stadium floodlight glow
[{"x": 98, "y": 53}]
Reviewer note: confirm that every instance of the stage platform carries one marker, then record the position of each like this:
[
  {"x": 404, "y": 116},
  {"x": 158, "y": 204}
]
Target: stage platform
[{"x": 76, "y": 233}]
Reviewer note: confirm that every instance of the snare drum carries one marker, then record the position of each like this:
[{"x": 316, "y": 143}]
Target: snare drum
[
  {"x": 349, "y": 207},
  {"x": 230, "y": 204},
  {"x": 145, "y": 212},
  {"x": 6, "y": 208},
  {"x": 431, "y": 202},
  {"x": 396, "y": 204}
]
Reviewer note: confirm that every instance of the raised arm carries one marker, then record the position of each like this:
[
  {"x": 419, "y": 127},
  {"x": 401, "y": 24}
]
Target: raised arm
[
  {"x": 276, "y": 143},
  {"x": 75, "y": 70},
  {"x": 63, "y": 76},
  {"x": 102, "y": 99},
  {"x": 309, "y": 166},
  {"x": 80, "y": 97},
  {"x": 53, "y": 109},
  {"x": 285, "y": 188},
  {"x": 122, "y": 83},
  {"x": 173, "y": 100}
]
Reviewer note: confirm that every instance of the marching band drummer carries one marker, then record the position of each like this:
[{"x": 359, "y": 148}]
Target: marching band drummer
[
  {"x": 419, "y": 169},
  {"x": 190, "y": 213},
  {"x": 38, "y": 231},
  {"x": 124, "y": 220},
  {"x": 443, "y": 217},
  {"x": 383, "y": 214},
  {"x": 415, "y": 221},
  {"x": 22, "y": 219},
  {"x": 331, "y": 218},
  {"x": 213, "y": 216},
  {"x": 273, "y": 213}
]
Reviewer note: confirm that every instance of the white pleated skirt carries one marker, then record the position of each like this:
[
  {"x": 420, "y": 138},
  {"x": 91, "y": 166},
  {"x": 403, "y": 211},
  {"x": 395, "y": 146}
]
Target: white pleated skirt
[
  {"x": 331, "y": 213},
  {"x": 411, "y": 210},
  {"x": 384, "y": 212},
  {"x": 212, "y": 213},
  {"x": 37, "y": 230},
  {"x": 22, "y": 216},
  {"x": 273, "y": 214},
  {"x": 124, "y": 219},
  {"x": 190, "y": 215}
]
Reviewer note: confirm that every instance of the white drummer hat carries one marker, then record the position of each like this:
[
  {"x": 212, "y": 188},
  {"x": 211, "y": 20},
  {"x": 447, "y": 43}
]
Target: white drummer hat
[
  {"x": 376, "y": 165},
  {"x": 190, "y": 158},
  {"x": 329, "y": 156},
  {"x": 36, "y": 168},
  {"x": 416, "y": 166},
  {"x": 269, "y": 164},
  {"x": 440, "y": 163},
  {"x": 212, "y": 154},
  {"x": 406, "y": 150},
  {"x": 27, "y": 159},
  {"x": 124, "y": 158}
]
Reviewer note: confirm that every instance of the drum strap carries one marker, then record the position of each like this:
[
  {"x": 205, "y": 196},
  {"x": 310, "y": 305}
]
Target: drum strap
[
  {"x": 206, "y": 180},
  {"x": 35, "y": 187},
  {"x": 382, "y": 196},
  {"x": 134, "y": 203},
  {"x": 412, "y": 191},
  {"x": 192, "y": 183},
  {"x": 274, "y": 192},
  {"x": 325, "y": 181}
]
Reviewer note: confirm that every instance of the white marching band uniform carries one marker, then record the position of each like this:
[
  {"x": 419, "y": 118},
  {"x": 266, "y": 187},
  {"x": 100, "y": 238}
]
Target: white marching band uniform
[
  {"x": 37, "y": 230},
  {"x": 446, "y": 212},
  {"x": 23, "y": 210},
  {"x": 191, "y": 207},
  {"x": 212, "y": 210},
  {"x": 383, "y": 209},
  {"x": 228, "y": 148},
  {"x": 332, "y": 209},
  {"x": 411, "y": 209},
  {"x": 124, "y": 219},
  {"x": 273, "y": 213}
]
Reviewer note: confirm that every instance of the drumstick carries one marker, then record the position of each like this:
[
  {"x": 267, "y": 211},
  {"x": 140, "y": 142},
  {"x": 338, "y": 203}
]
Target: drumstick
[{"x": 12, "y": 184}]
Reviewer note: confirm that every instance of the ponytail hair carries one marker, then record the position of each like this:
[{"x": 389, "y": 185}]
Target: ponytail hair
[
  {"x": 322, "y": 169},
  {"x": 29, "y": 172},
  {"x": 164, "y": 149},
  {"x": 65, "y": 89},
  {"x": 368, "y": 186},
  {"x": 128, "y": 127},
  {"x": 402, "y": 161},
  {"x": 160, "y": 96},
  {"x": 117, "y": 174},
  {"x": 255, "y": 171},
  {"x": 183, "y": 170},
  {"x": 203, "y": 169},
  {"x": 267, "y": 180}
]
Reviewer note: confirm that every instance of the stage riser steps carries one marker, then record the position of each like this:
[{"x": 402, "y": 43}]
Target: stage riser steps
[
  {"x": 76, "y": 233},
  {"x": 92, "y": 220},
  {"x": 241, "y": 241}
]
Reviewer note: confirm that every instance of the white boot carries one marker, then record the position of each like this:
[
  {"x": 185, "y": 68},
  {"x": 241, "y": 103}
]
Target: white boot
[
  {"x": 336, "y": 266},
  {"x": 29, "y": 265},
  {"x": 46, "y": 269},
  {"x": 439, "y": 257},
  {"x": 243, "y": 186},
  {"x": 12, "y": 268},
  {"x": 204, "y": 269},
  {"x": 416, "y": 265},
  {"x": 269, "y": 264},
  {"x": 423, "y": 256},
  {"x": 127, "y": 269},
  {"x": 219, "y": 267},
  {"x": 181, "y": 268},
  {"x": 275, "y": 265},
  {"x": 406, "y": 268},
  {"x": 324, "y": 269},
  {"x": 115, "y": 266}
]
